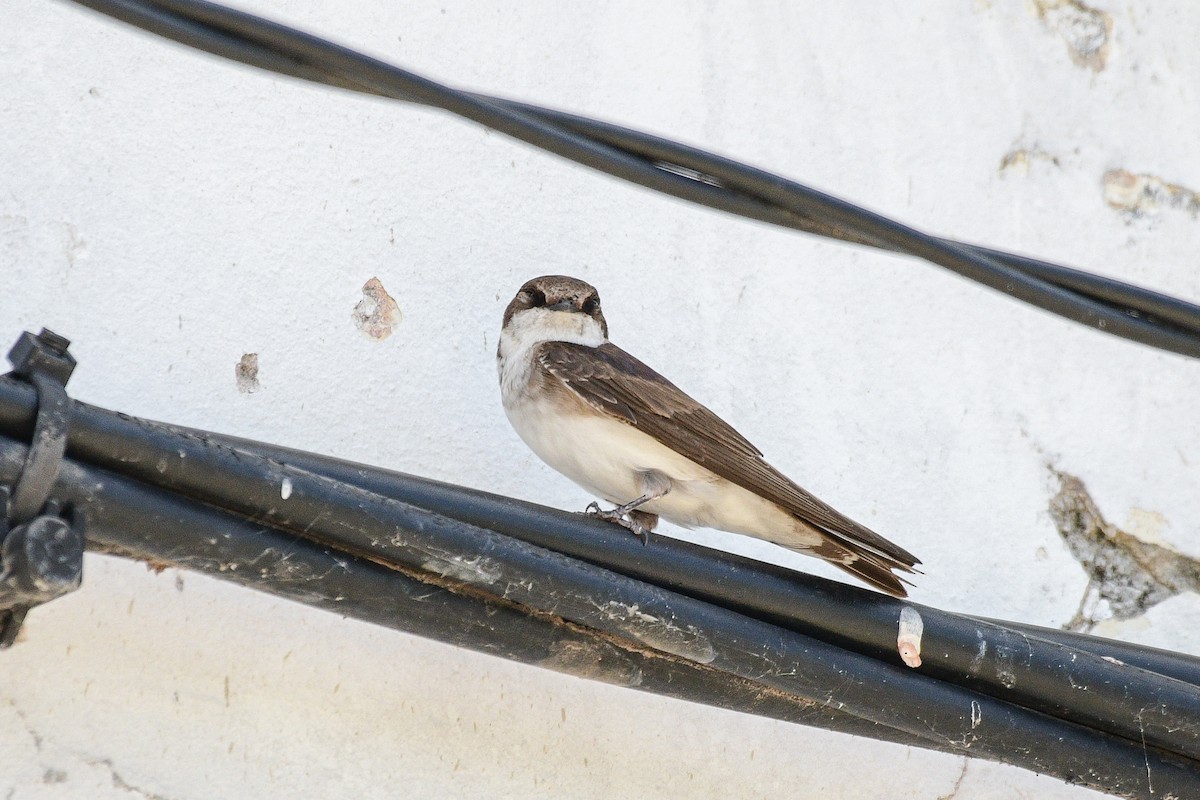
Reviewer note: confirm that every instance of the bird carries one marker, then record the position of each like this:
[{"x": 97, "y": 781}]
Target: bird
[{"x": 626, "y": 434}]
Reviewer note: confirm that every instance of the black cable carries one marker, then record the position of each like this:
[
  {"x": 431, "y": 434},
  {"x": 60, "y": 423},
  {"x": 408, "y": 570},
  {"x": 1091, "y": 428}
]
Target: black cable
[
  {"x": 367, "y": 524},
  {"x": 1152, "y": 659},
  {"x": 1041, "y": 669},
  {"x": 132, "y": 520},
  {"x": 388, "y": 531},
  {"x": 1120, "y": 297},
  {"x": 690, "y": 174}
]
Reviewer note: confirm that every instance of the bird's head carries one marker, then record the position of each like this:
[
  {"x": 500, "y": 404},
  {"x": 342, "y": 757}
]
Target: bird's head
[{"x": 555, "y": 308}]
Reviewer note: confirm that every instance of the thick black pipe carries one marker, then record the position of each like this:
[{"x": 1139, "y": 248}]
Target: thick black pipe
[
  {"x": 361, "y": 522},
  {"x": 364, "y": 523},
  {"x": 1182, "y": 667},
  {"x": 1018, "y": 665},
  {"x": 127, "y": 518},
  {"x": 236, "y": 35},
  {"x": 832, "y": 611},
  {"x": 827, "y": 609}
]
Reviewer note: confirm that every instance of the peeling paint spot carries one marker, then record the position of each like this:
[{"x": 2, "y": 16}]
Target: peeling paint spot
[
  {"x": 1129, "y": 575},
  {"x": 908, "y": 641},
  {"x": 52, "y": 775},
  {"x": 660, "y": 634},
  {"x": 1147, "y": 525},
  {"x": 976, "y": 714},
  {"x": 246, "y": 373},
  {"x": 75, "y": 248},
  {"x": 285, "y": 488},
  {"x": 1143, "y": 195},
  {"x": 1018, "y": 160},
  {"x": 1087, "y": 31},
  {"x": 377, "y": 314}
]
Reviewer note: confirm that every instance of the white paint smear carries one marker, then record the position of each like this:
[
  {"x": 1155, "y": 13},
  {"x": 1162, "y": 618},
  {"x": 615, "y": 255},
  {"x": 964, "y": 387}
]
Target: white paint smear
[{"x": 908, "y": 642}]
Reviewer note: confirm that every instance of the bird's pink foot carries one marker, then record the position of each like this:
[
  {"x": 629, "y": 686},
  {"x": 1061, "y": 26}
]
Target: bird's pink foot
[{"x": 639, "y": 523}]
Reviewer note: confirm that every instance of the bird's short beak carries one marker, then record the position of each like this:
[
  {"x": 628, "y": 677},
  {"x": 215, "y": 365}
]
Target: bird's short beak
[{"x": 561, "y": 305}]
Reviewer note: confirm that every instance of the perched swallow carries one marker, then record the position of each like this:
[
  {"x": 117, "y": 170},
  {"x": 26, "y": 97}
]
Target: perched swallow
[{"x": 627, "y": 434}]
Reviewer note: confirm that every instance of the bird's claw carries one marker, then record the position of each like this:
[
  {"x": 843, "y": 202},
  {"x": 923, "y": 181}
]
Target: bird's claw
[{"x": 636, "y": 528}]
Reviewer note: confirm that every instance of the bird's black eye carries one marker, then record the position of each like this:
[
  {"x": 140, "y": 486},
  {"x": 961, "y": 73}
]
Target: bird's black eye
[
  {"x": 536, "y": 297},
  {"x": 590, "y": 305}
]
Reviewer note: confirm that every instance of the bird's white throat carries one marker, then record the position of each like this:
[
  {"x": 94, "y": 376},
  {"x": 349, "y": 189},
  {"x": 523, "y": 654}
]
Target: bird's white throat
[{"x": 529, "y": 328}]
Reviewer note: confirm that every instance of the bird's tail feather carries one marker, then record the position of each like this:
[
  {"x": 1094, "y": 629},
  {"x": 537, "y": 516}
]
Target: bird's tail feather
[{"x": 863, "y": 563}]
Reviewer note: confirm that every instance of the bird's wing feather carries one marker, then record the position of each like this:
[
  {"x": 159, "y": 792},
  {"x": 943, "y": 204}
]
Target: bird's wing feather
[{"x": 615, "y": 383}]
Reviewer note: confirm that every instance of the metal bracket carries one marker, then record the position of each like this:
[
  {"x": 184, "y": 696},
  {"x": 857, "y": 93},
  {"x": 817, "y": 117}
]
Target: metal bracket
[{"x": 41, "y": 548}]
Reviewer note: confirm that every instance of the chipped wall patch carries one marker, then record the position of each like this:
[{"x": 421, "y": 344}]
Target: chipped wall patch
[
  {"x": 1087, "y": 31},
  {"x": 908, "y": 640},
  {"x": 1128, "y": 574},
  {"x": 377, "y": 313},
  {"x": 246, "y": 373},
  {"x": 1019, "y": 160},
  {"x": 1145, "y": 195}
]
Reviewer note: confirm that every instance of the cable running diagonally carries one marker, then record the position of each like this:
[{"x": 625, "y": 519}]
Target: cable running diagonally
[{"x": 685, "y": 172}]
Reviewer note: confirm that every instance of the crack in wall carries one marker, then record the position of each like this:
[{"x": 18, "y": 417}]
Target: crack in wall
[
  {"x": 953, "y": 793},
  {"x": 1127, "y": 573},
  {"x": 120, "y": 783},
  {"x": 33, "y": 734}
]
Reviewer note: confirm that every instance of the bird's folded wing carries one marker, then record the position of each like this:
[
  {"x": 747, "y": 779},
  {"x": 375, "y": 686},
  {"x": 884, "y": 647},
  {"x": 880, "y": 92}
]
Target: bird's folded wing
[{"x": 616, "y": 383}]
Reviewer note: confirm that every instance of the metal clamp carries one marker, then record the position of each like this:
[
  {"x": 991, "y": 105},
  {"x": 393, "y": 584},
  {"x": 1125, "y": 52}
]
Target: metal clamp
[{"x": 41, "y": 548}]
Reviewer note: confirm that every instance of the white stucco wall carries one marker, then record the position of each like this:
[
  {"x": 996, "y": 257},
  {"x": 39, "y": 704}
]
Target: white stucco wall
[{"x": 169, "y": 213}]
